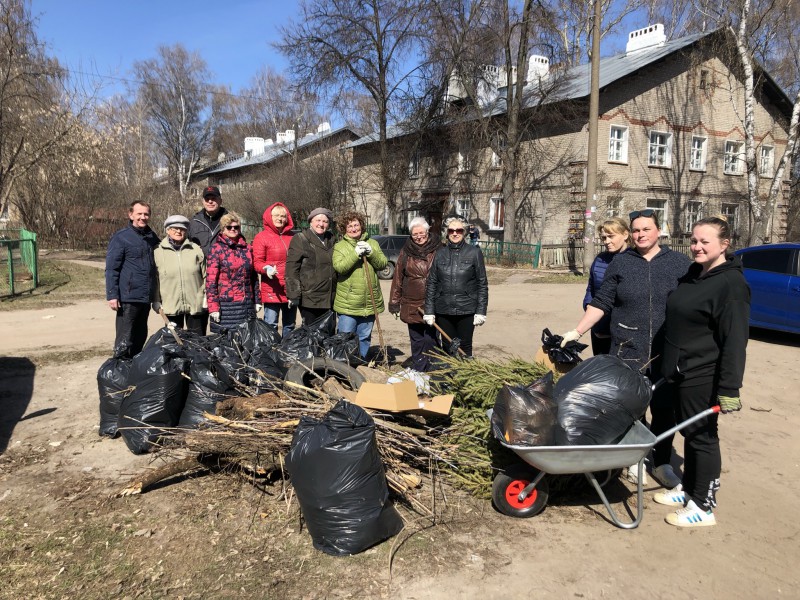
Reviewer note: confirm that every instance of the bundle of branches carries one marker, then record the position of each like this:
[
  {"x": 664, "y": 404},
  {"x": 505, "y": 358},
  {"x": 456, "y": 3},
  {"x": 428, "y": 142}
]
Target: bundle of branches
[{"x": 474, "y": 451}]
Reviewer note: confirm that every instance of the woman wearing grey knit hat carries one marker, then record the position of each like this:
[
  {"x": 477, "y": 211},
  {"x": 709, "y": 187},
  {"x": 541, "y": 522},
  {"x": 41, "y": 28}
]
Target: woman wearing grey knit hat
[
  {"x": 310, "y": 278},
  {"x": 180, "y": 275}
]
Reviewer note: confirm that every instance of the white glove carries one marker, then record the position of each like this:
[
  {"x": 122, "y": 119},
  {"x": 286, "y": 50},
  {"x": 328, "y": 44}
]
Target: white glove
[
  {"x": 259, "y": 307},
  {"x": 363, "y": 248},
  {"x": 571, "y": 336},
  {"x": 172, "y": 325},
  {"x": 156, "y": 307},
  {"x": 478, "y": 320},
  {"x": 270, "y": 270},
  {"x": 429, "y": 319},
  {"x": 290, "y": 304},
  {"x": 214, "y": 316},
  {"x": 205, "y": 302}
]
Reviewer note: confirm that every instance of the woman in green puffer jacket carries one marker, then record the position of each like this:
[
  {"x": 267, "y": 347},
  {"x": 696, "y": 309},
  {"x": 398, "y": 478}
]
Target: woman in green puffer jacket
[{"x": 356, "y": 260}]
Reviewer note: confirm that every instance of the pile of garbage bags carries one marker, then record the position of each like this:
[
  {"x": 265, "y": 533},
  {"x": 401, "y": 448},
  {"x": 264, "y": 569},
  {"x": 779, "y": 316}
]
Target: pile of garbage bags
[
  {"x": 171, "y": 385},
  {"x": 594, "y": 404}
]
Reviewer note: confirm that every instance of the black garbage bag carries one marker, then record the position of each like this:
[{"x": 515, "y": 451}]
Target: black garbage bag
[
  {"x": 526, "y": 416},
  {"x": 255, "y": 334},
  {"x": 300, "y": 344},
  {"x": 210, "y": 384},
  {"x": 569, "y": 354},
  {"x": 340, "y": 483},
  {"x": 324, "y": 326},
  {"x": 114, "y": 384},
  {"x": 599, "y": 400},
  {"x": 158, "y": 398},
  {"x": 342, "y": 347},
  {"x": 231, "y": 359}
]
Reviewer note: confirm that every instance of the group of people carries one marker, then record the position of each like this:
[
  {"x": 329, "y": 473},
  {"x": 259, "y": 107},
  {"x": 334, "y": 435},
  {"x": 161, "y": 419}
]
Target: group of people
[
  {"x": 683, "y": 323},
  {"x": 204, "y": 271}
]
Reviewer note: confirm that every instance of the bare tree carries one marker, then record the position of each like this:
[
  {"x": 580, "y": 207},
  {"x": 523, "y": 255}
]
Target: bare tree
[
  {"x": 339, "y": 44},
  {"x": 174, "y": 89}
]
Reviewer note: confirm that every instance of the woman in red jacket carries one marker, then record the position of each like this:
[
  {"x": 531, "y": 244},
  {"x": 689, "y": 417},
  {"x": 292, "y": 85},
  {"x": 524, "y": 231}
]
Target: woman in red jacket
[
  {"x": 407, "y": 295},
  {"x": 230, "y": 278},
  {"x": 269, "y": 255}
]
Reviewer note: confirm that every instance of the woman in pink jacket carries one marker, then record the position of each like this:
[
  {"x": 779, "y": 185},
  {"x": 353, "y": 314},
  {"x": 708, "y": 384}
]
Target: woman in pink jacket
[{"x": 269, "y": 255}]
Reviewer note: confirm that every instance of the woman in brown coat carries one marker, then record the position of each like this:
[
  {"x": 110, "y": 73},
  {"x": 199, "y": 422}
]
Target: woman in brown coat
[{"x": 407, "y": 295}]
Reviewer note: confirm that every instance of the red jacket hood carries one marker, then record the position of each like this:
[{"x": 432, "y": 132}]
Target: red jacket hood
[{"x": 267, "y": 219}]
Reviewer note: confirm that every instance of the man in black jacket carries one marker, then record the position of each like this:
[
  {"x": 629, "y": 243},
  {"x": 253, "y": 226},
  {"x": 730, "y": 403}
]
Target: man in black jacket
[{"x": 131, "y": 277}]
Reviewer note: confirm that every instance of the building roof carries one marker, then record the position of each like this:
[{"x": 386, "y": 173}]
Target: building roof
[
  {"x": 271, "y": 152},
  {"x": 577, "y": 80}
]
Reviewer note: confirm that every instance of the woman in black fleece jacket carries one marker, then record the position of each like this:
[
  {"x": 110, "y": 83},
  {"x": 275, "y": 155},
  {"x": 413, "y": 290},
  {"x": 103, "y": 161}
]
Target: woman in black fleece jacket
[
  {"x": 634, "y": 292},
  {"x": 706, "y": 334}
]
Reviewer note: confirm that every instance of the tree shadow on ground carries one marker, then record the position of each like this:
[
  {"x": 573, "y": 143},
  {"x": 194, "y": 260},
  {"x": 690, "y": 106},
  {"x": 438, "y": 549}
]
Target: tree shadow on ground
[{"x": 16, "y": 390}]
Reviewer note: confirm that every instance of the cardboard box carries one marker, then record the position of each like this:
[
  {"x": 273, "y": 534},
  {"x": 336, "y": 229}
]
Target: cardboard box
[{"x": 400, "y": 397}]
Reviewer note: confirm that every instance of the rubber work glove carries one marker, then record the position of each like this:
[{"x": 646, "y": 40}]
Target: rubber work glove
[
  {"x": 571, "y": 336},
  {"x": 259, "y": 307},
  {"x": 394, "y": 309},
  {"x": 270, "y": 270},
  {"x": 363, "y": 248},
  {"x": 172, "y": 325},
  {"x": 291, "y": 304},
  {"x": 478, "y": 320},
  {"x": 156, "y": 307},
  {"x": 729, "y": 404},
  {"x": 215, "y": 316},
  {"x": 429, "y": 319}
]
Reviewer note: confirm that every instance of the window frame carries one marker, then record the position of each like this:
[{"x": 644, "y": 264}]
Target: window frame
[
  {"x": 614, "y": 206},
  {"x": 497, "y": 160},
  {"x": 413, "y": 166},
  {"x": 467, "y": 202},
  {"x": 733, "y": 158},
  {"x": 731, "y": 216},
  {"x": 662, "y": 213},
  {"x": 496, "y": 202},
  {"x": 464, "y": 163},
  {"x": 667, "y": 145},
  {"x": 703, "y": 153},
  {"x": 620, "y": 144},
  {"x": 690, "y": 217},
  {"x": 761, "y": 170}
]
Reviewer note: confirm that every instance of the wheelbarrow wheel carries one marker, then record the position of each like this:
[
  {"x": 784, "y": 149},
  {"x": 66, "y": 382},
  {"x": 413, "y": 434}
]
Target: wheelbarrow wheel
[{"x": 507, "y": 486}]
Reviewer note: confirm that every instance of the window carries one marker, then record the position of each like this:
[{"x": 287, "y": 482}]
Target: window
[
  {"x": 4, "y": 214},
  {"x": 697, "y": 157},
  {"x": 497, "y": 159},
  {"x": 766, "y": 167},
  {"x": 691, "y": 215},
  {"x": 497, "y": 210},
  {"x": 660, "y": 208},
  {"x": 660, "y": 150},
  {"x": 413, "y": 166},
  {"x": 774, "y": 260},
  {"x": 733, "y": 158},
  {"x": 703, "y": 79},
  {"x": 618, "y": 144},
  {"x": 614, "y": 206},
  {"x": 463, "y": 158},
  {"x": 463, "y": 207},
  {"x": 731, "y": 213}
]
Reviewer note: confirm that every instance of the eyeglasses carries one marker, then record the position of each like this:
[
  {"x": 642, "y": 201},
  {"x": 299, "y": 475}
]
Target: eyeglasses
[
  {"x": 419, "y": 236},
  {"x": 211, "y": 199},
  {"x": 233, "y": 227},
  {"x": 647, "y": 212},
  {"x": 459, "y": 231}
]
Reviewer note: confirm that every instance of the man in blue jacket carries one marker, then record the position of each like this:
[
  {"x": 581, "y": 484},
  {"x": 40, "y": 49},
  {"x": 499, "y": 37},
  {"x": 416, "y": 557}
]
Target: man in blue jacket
[{"x": 130, "y": 277}]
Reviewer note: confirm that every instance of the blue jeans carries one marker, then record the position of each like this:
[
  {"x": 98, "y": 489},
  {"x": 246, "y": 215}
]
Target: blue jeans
[
  {"x": 362, "y": 326},
  {"x": 288, "y": 316}
]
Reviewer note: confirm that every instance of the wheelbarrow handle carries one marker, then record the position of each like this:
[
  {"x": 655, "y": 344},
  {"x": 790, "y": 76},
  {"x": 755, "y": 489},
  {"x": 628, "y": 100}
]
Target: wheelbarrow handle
[{"x": 706, "y": 413}]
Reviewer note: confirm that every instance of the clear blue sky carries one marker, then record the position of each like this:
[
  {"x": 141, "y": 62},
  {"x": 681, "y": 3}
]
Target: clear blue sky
[{"x": 108, "y": 36}]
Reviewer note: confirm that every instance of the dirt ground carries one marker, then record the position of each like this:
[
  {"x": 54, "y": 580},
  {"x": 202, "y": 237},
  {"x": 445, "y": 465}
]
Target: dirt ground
[{"x": 62, "y": 534}]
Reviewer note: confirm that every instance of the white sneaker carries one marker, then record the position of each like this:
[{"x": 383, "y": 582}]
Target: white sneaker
[
  {"x": 673, "y": 497},
  {"x": 691, "y": 516},
  {"x": 665, "y": 475},
  {"x": 633, "y": 473}
]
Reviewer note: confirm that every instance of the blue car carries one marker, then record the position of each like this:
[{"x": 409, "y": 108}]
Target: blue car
[{"x": 773, "y": 273}]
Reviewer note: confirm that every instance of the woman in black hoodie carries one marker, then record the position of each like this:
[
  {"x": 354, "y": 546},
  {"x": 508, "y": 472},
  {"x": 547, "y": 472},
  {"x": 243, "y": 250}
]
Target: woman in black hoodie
[{"x": 706, "y": 332}]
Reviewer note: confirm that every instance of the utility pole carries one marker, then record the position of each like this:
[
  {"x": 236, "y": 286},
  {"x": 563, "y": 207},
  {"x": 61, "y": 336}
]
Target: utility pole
[{"x": 591, "y": 166}]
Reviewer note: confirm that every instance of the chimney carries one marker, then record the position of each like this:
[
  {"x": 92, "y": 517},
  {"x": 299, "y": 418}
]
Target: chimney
[
  {"x": 253, "y": 146},
  {"x": 323, "y": 127},
  {"x": 285, "y": 137},
  {"x": 538, "y": 68},
  {"x": 648, "y": 37}
]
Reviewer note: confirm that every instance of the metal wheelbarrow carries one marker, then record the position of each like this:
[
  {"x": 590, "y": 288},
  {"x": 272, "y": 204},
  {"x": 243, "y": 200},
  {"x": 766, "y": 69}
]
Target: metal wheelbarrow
[{"x": 522, "y": 491}]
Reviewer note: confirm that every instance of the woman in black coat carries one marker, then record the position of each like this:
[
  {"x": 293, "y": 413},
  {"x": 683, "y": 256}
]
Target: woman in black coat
[
  {"x": 706, "y": 331},
  {"x": 457, "y": 293}
]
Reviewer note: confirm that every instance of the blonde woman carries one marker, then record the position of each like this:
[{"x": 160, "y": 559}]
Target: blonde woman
[{"x": 616, "y": 237}]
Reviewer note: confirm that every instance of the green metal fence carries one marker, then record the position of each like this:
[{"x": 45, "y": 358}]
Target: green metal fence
[
  {"x": 511, "y": 253},
  {"x": 19, "y": 261}
]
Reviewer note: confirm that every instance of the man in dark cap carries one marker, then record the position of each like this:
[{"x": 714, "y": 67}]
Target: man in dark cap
[{"x": 204, "y": 228}]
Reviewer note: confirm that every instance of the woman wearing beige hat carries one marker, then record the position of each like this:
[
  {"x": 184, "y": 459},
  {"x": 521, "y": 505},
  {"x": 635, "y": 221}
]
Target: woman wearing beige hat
[{"x": 180, "y": 273}]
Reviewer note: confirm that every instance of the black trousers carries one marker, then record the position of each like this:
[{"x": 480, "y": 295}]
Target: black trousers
[
  {"x": 662, "y": 417},
  {"x": 702, "y": 457},
  {"x": 131, "y": 326},
  {"x": 423, "y": 340},
  {"x": 600, "y": 345},
  {"x": 309, "y": 315},
  {"x": 458, "y": 326},
  {"x": 194, "y": 323}
]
